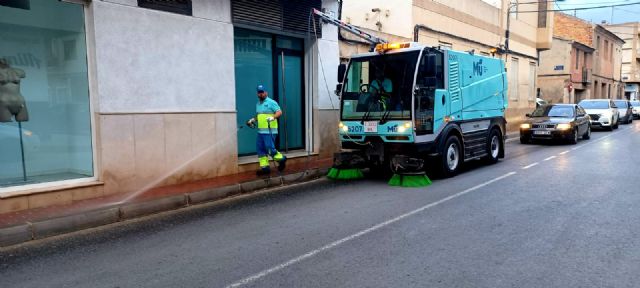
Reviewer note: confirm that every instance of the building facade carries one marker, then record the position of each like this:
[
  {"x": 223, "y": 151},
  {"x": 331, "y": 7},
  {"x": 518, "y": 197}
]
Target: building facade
[
  {"x": 607, "y": 56},
  {"x": 630, "y": 33},
  {"x": 565, "y": 72},
  {"x": 124, "y": 96},
  {"x": 465, "y": 25}
]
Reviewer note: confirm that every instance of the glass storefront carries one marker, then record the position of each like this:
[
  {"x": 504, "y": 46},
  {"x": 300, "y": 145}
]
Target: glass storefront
[
  {"x": 45, "y": 127},
  {"x": 277, "y": 62}
]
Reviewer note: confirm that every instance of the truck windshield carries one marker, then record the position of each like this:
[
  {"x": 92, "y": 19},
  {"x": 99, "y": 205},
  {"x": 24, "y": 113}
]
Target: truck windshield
[{"x": 379, "y": 85}]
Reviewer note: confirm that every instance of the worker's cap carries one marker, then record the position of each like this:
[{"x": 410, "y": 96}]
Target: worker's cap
[{"x": 261, "y": 88}]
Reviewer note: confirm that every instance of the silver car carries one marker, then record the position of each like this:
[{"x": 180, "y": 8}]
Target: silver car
[
  {"x": 625, "y": 110},
  {"x": 603, "y": 112}
]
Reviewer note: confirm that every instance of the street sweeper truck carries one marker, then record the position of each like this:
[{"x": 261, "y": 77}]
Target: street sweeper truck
[{"x": 407, "y": 108}]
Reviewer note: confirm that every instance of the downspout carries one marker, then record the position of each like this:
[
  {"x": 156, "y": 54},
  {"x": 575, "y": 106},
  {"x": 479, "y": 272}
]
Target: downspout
[{"x": 416, "y": 31}]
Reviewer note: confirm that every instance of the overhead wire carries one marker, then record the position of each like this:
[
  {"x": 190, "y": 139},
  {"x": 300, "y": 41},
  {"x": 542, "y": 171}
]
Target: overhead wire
[{"x": 577, "y": 8}]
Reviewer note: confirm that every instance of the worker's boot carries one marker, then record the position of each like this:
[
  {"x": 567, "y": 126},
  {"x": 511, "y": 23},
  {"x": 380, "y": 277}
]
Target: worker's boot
[
  {"x": 263, "y": 171},
  {"x": 282, "y": 163}
]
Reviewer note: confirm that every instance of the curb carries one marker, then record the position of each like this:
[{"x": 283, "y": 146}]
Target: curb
[{"x": 22, "y": 233}]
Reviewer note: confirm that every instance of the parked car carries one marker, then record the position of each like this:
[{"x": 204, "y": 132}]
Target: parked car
[
  {"x": 603, "y": 113},
  {"x": 556, "y": 121},
  {"x": 540, "y": 102},
  {"x": 625, "y": 111},
  {"x": 635, "y": 107}
]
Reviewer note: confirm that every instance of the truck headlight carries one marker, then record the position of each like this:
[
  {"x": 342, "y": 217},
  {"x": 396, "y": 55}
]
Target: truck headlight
[
  {"x": 563, "y": 126},
  {"x": 404, "y": 127},
  {"x": 343, "y": 127}
]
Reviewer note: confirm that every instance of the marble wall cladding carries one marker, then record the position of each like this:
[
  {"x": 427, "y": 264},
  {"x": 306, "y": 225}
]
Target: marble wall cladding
[
  {"x": 143, "y": 151},
  {"x": 327, "y": 141}
]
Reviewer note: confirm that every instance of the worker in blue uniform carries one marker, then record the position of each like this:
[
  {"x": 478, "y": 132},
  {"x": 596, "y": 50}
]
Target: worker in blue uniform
[{"x": 267, "y": 113}]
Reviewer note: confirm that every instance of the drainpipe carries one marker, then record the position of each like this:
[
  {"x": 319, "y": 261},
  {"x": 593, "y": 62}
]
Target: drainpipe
[{"x": 416, "y": 31}]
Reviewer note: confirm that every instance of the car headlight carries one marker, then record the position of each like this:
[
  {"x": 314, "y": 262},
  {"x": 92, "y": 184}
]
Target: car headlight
[
  {"x": 525, "y": 126},
  {"x": 563, "y": 126}
]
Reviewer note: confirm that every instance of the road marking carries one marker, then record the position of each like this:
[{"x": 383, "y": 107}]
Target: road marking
[
  {"x": 529, "y": 166},
  {"x": 549, "y": 158},
  {"x": 331, "y": 245},
  {"x": 564, "y": 152}
]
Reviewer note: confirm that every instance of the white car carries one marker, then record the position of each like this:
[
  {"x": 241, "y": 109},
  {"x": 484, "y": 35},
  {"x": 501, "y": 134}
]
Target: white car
[
  {"x": 603, "y": 113},
  {"x": 635, "y": 106}
]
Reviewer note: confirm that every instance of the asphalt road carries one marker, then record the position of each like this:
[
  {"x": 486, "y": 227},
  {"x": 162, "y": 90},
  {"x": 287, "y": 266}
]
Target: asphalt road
[{"x": 545, "y": 216}]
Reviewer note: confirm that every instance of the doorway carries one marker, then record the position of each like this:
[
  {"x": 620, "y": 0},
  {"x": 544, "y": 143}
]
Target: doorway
[{"x": 277, "y": 62}]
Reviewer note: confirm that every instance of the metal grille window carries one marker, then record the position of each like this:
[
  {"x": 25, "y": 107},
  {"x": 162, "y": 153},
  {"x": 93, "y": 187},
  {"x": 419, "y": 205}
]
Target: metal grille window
[
  {"x": 513, "y": 80},
  {"x": 174, "y": 6},
  {"x": 279, "y": 15}
]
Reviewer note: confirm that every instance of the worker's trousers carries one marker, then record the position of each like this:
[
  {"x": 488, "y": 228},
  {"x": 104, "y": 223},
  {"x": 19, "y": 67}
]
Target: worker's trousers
[{"x": 266, "y": 148}]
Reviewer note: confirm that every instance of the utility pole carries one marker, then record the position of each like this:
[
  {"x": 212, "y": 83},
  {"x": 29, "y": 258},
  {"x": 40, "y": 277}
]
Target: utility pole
[
  {"x": 507, "y": 32},
  {"x": 611, "y": 22}
]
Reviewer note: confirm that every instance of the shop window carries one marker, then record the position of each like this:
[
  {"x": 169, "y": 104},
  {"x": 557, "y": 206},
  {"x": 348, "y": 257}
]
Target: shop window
[
  {"x": 174, "y": 6},
  {"x": 45, "y": 127}
]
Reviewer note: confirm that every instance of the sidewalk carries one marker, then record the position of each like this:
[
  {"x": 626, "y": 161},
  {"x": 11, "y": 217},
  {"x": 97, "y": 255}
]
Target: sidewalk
[{"x": 22, "y": 226}]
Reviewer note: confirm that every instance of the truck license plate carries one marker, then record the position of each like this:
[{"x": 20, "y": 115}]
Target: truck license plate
[
  {"x": 542, "y": 132},
  {"x": 371, "y": 127}
]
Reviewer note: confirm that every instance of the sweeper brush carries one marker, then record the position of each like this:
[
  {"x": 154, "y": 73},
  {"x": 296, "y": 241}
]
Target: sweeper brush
[
  {"x": 346, "y": 166},
  {"x": 408, "y": 172}
]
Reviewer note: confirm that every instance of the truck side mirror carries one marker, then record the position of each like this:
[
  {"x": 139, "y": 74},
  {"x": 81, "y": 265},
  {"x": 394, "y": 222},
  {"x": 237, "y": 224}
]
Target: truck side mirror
[
  {"x": 342, "y": 68},
  {"x": 338, "y": 89},
  {"x": 527, "y": 115}
]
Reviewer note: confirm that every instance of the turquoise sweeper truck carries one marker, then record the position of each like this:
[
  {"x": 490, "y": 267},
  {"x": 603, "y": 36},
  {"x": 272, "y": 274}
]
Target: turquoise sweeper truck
[{"x": 408, "y": 107}]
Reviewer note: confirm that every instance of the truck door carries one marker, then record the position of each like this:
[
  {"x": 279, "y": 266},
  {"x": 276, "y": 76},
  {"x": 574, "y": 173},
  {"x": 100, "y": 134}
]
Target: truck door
[
  {"x": 455, "y": 100},
  {"x": 430, "y": 97}
]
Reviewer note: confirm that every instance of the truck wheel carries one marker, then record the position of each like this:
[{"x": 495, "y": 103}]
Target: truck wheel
[
  {"x": 494, "y": 143},
  {"x": 451, "y": 157}
]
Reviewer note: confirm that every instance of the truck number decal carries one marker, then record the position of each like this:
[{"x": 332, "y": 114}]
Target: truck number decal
[
  {"x": 453, "y": 57},
  {"x": 355, "y": 129}
]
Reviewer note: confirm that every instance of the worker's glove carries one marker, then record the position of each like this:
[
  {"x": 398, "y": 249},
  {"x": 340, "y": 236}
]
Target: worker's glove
[
  {"x": 251, "y": 123},
  {"x": 270, "y": 119}
]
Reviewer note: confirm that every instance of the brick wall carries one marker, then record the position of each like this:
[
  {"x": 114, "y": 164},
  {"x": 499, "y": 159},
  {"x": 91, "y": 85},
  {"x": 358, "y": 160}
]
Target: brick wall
[{"x": 569, "y": 27}]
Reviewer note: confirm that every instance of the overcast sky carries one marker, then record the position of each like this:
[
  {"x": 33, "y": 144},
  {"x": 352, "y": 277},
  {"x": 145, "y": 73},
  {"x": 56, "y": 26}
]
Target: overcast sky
[{"x": 620, "y": 14}]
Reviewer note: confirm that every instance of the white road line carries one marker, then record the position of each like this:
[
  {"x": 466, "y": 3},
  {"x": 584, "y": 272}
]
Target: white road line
[
  {"x": 529, "y": 166},
  {"x": 549, "y": 158},
  {"x": 564, "y": 152},
  {"x": 361, "y": 233}
]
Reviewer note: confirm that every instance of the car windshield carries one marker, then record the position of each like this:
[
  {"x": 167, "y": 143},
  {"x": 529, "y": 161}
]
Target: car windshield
[
  {"x": 594, "y": 104},
  {"x": 553, "y": 111},
  {"x": 635, "y": 103},
  {"x": 621, "y": 104},
  {"x": 378, "y": 84}
]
